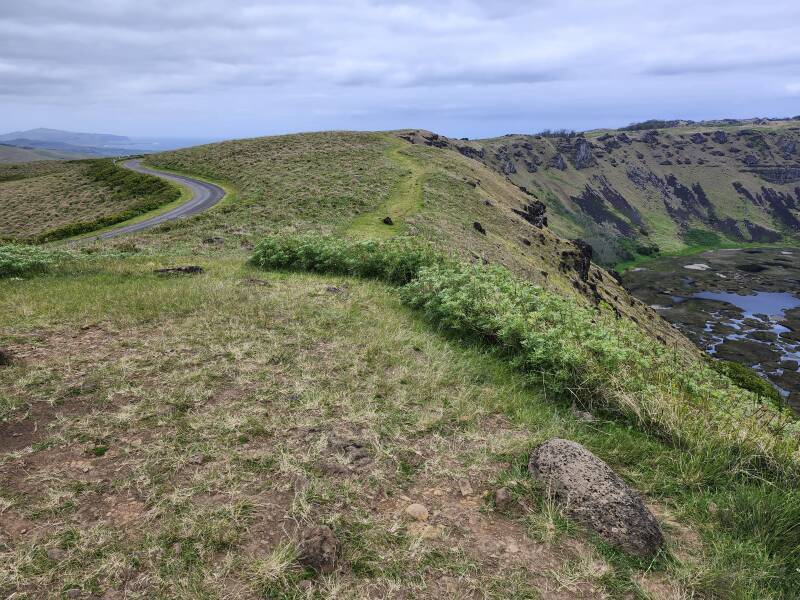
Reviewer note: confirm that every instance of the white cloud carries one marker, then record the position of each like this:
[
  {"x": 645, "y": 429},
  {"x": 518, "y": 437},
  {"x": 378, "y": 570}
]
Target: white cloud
[{"x": 385, "y": 63}]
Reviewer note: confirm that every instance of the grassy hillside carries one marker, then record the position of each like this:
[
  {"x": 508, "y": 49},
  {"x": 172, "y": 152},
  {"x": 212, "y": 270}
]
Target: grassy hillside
[
  {"x": 48, "y": 201},
  {"x": 633, "y": 193},
  {"x": 182, "y": 432},
  {"x": 174, "y": 436},
  {"x": 347, "y": 183}
]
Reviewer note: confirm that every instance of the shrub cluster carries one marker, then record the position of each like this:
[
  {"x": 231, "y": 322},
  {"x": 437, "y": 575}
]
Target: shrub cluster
[
  {"x": 568, "y": 350},
  {"x": 141, "y": 193},
  {"x": 18, "y": 260}
]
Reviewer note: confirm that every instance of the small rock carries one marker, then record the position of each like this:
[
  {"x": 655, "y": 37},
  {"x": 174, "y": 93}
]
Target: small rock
[
  {"x": 593, "y": 495},
  {"x": 197, "y": 459},
  {"x": 502, "y": 499},
  {"x": 332, "y": 289},
  {"x": 56, "y": 554},
  {"x": 256, "y": 281},
  {"x": 582, "y": 415},
  {"x": 319, "y": 549},
  {"x": 417, "y": 511},
  {"x": 388, "y": 221},
  {"x": 184, "y": 270},
  {"x": 479, "y": 228},
  {"x": 217, "y": 240},
  {"x": 73, "y": 593},
  {"x": 5, "y": 357},
  {"x": 465, "y": 487}
]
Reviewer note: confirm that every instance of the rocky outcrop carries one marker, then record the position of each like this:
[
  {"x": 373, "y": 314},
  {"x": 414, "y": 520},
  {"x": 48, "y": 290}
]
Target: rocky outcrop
[
  {"x": 582, "y": 156},
  {"x": 558, "y": 162},
  {"x": 778, "y": 175},
  {"x": 534, "y": 213},
  {"x": 593, "y": 495},
  {"x": 578, "y": 260},
  {"x": 720, "y": 137}
]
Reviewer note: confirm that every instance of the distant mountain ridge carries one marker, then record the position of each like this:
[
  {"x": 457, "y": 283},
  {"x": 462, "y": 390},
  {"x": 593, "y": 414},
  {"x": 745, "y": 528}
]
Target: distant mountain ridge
[
  {"x": 58, "y": 136},
  {"x": 657, "y": 186}
]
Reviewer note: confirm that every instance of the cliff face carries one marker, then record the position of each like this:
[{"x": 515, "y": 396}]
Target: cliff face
[{"x": 636, "y": 192}]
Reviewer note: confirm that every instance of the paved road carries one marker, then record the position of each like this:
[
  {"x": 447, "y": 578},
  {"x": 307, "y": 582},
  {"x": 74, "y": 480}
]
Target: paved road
[{"x": 204, "y": 196}]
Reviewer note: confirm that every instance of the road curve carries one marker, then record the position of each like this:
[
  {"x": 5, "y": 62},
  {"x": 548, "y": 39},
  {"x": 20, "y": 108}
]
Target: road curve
[{"x": 204, "y": 196}]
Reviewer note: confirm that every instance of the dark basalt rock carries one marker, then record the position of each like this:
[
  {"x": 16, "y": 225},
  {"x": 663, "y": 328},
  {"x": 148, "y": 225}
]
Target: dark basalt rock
[
  {"x": 183, "y": 270},
  {"x": 388, "y": 221},
  {"x": 593, "y": 495},
  {"x": 582, "y": 154},
  {"x": 698, "y": 138},
  {"x": 720, "y": 137},
  {"x": 5, "y": 357},
  {"x": 319, "y": 549},
  {"x": 787, "y": 147},
  {"x": 579, "y": 260},
  {"x": 479, "y": 228},
  {"x": 651, "y": 137},
  {"x": 471, "y": 152},
  {"x": 534, "y": 213},
  {"x": 558, "y": 162},
  {"x": 779, "y": 175}
]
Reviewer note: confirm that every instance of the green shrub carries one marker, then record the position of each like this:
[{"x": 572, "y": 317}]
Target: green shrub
[
  {"x": 18, "y": 260},
  {"x": 701, "y": 237},
  {"x": 568, "y": 350},
  {"x": 747, "y": 379},
  {"x": 396, "y": 261}
]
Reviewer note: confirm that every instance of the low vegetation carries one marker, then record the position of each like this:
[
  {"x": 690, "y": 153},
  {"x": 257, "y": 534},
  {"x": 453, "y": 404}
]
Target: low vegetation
[
  {"x": 17, "y": 260},
  {"x": 43, "y": 203}
]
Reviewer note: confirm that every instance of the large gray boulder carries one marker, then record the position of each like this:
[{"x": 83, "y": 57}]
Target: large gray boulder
[{"x": 594, "y": 496}]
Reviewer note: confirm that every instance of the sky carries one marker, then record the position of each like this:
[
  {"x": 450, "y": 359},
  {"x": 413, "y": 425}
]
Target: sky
[{"x": 239, "y": 68}]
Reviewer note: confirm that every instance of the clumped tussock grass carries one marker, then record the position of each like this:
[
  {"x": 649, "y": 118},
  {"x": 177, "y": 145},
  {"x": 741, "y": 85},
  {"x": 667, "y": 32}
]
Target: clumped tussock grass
[
  {"x": 570, "y": 351},
  {"x": 16, "y": 259}
]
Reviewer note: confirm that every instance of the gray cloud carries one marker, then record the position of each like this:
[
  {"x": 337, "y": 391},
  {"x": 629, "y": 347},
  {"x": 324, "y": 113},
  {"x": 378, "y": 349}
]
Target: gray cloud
[{"x": 279, "y": 65}]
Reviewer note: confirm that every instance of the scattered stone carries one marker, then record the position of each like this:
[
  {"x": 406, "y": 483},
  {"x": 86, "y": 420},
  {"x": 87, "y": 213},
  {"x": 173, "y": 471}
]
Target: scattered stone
[
  {"x": 355, "y": 450},
  {"x": 183, "y": 270},
  {"x": 465, "y": 487},
  {"x": 319, "y": 549},
  {"x": 256, "y": 282},
  {"x": 417, "y": 512},
  {"x": 332, "y": 289},
  {"x": 593, "y": 495},
  {"x": 479, "y": 228},
  {"x": 502, "y": 499},
  {"x": 216, "y": 240},
  {"x": 197, "y": 459},
  {"x": 388, "y": 221}
]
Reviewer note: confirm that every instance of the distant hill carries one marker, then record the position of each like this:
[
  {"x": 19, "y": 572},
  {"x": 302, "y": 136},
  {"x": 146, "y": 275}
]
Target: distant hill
[
  {"x": 658, "y": 186},
  {"x": 64, "y": 137},
  {"x": 20, "y": 154}
]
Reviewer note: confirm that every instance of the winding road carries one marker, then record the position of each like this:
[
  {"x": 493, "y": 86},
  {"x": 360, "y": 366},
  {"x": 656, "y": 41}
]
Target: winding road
[{"x": 204, "y": 196}]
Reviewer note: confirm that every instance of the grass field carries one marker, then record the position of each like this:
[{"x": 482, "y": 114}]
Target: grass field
[
  {"x": 184, "y": 430},
  {"x": 173, "y": 436}
]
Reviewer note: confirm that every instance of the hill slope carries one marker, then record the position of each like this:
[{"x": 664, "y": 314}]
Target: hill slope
[
  {"x": 636, "y": 192},
  {"x": 171, "y": 435},
  {"x": 347, "y": 183}
]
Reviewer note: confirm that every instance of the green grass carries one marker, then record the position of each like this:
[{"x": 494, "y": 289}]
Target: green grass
[
  {"x": 403, "y": 202},
  {"x": 237, "y": 373}
]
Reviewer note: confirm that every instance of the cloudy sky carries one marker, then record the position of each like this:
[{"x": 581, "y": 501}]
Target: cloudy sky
[{"x": 234, "y": 68}]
